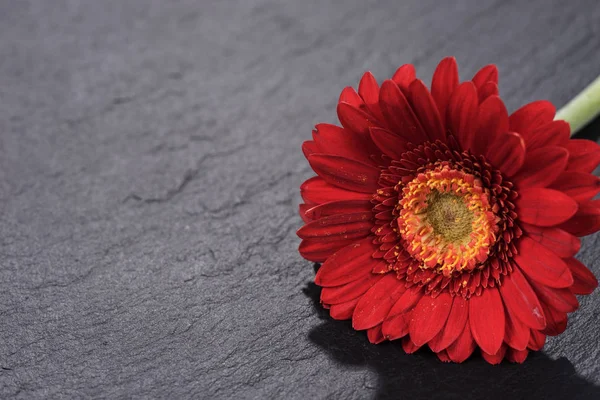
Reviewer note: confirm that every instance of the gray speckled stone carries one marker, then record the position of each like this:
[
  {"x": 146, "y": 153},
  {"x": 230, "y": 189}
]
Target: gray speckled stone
[{"x": 149, "y": 170}]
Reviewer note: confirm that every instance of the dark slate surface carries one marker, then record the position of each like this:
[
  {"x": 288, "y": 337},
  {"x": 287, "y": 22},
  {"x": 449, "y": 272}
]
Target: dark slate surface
[{"x": 149, "y": 166}]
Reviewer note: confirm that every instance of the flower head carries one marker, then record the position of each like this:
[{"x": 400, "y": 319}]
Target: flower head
[{"x": 441, "y": 220}]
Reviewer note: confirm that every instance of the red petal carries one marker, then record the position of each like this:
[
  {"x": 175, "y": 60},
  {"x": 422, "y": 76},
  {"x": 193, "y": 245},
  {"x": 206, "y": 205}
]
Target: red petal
[
  {"x": 581, "y": 186},
  {"x": 309, "y": 147},
  {"x": 544, "y": 207},
  {"x": 374, "y": 306},
  {"x": 396, "y": 326},
  {"x": 399, "y": 114},
  {"x": 496, "y": 358},
  {"x": 404, "y": 76},
  {"x": 318, "y": 251},
  {"x": 408, "y": 346},
  {"x": 354, "y": 119},
  {"x": 389, "y": 143},
  {"x": 368, "y": 88},
  {"x": 428, "y": 317},
  {"x": 443, "y": 356},
  {"x": 426, "y": 111},
  {"x": 556, "y": 322},
  {"x": 486, "y": 317},
  {"x": 487, "y": 90},
  {"x": 486, "y": 74},
  {"x": 531, "y": 116},
  {"x": 586, "y": 221},
  {"x": 407, "y": 301},
  {"x": 536, "y": 340},
  {"x": 562, "y": 243},
  {"x": 343, "y": 311},
  {"x": 542, "y": 166},
  {"x": 315, "y": 190},
  {"x": 382, "y": 267},
  {"x": 517, "y": 333},
  {"x": 350, "y": 96},
  {"x": 517, "y": 356},
  {"x": 346, "y": 173},
  {"x": 338, "y": 227},
  {"x": 491, "y": 122},
  {"x": 445, "y": 80},
  {"x": 349, "y": 291},
  {"x": 349, "y": 264},
  {"x": 302, "y": 209},
  {"x": 454, "y": 325},
  {"x": 584, "y": 281},
  {"x": 542, "y": 265},
  {"x": 463, "y": 347},
  {"x": 554, "y": 133},
  {"x": 584, "y": 155},
  {"x": 375, "y": 335},
  {"x": 507, "y": 153},
  {"x": 461, "y": 115},
  {"x": 338, "y": 207},
  {"x": 562, "y": 300},
  {"x": 521, "y": 301},
  {"x": 332, "y": 139},
  {"x": 486, "y": 81}
]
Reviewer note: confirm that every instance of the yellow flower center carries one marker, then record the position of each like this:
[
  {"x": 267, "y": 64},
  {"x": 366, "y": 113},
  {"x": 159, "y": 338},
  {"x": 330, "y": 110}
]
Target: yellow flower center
[
  {"x": 449, "y": 216},
  {"x": 446, "y": 220}
]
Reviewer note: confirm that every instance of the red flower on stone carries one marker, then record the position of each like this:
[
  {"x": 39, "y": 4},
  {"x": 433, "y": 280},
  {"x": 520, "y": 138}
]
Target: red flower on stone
[{"x": 442, "y": 220}]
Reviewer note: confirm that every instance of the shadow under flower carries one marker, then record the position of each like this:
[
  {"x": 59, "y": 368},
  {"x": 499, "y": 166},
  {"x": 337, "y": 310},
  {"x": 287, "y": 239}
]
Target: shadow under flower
[
  {"x": 422, "y": 375},
  {"x": 591, "y": 131}
]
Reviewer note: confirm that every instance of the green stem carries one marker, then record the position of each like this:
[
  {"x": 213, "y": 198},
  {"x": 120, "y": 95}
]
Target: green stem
[{"x": 583, "y": 108}]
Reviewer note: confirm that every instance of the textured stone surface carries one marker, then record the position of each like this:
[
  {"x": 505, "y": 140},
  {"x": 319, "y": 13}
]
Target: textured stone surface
[{"x": 149, "y": 170}]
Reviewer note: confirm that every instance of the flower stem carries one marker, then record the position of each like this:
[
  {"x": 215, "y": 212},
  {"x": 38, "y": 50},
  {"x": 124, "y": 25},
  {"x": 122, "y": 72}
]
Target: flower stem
[{"x": 583, "y": 108}]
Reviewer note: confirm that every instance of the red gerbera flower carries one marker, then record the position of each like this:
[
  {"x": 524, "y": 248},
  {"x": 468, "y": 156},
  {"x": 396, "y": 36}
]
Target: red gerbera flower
[{"x": 442, "y": 220}]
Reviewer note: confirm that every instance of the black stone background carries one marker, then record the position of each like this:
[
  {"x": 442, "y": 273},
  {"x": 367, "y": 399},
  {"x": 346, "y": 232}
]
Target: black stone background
[{"x": 149, "y": 170}]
